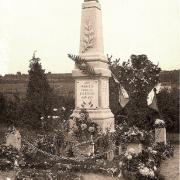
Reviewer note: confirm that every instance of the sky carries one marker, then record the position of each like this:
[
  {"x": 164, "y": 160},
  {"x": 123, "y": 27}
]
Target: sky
[{"x": 52, "y": 27}]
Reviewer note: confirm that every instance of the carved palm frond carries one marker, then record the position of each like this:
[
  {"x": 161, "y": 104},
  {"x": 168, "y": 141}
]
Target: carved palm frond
[
  {"x": 88, "y": 37},
  {"x": 82, "y": 65}
]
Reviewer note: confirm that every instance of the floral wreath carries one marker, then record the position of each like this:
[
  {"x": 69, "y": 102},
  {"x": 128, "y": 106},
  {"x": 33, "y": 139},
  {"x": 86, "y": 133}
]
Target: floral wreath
[
  {"x": 84, "y": 128},
  {"x": 159, "y": 123}
]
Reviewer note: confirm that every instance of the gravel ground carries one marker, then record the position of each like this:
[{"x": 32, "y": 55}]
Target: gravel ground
[
  {"x": 92, "y": 176},
  {"x": 170, "y": 168}
]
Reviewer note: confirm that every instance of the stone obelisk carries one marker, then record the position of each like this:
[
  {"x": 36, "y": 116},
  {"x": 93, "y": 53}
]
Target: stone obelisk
[{"x": 92, "y": 93}]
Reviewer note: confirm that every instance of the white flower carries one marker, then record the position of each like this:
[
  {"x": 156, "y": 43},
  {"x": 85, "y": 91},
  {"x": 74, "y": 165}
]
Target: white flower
[
  {"x": 82, "y": 115},
  {"x": 91, "y": 129},
  {"x": 120, "y": 164},
  {"x": 142, "y": 135},
  {"x": 151, "y": 173},
  {"x": 83, "y": 126},
  {"x": 133, "y": 133},
  {"x": 131, "y": 151},
  {"x": 126, "y": 153},
  {"x": 119, "y": 175},
  {"x": 141, "y": 166},
  {"x": 55, "y": 109},
  {"x": 42, "y": 118},
  {"x": 144, "y": 171},
  {"x": 49, "y": 116},
  {"x": 55, "y": 117},
  {"x": 129, "y": 157},
  {"x": 113, "y": 170},
  {"x": 154, "y": 152},
  {"x": 15, "y": 163},
  {"x": 155, "y": 168},
  {"x": 63, "y": 108},
  {"x": 159, "y": 121}
]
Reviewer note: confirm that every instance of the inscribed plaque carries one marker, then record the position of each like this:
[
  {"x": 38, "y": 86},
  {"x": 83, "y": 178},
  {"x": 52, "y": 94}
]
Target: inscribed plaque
[{"x": 87, "y": 94}]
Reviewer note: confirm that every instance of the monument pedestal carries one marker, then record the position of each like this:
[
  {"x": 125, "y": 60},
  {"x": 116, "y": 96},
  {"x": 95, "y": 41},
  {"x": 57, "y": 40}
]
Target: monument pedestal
[{"x": 92, "y": 92}]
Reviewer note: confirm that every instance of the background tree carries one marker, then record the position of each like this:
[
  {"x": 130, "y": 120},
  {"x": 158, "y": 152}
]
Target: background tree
[
  {"x": 3, "y": 108},
  {"x": 168, "y": 103},
  {"x": 39, "y": 98},
  {"x": 10, "y": 110},
  {"x": 138, "y": 76}
]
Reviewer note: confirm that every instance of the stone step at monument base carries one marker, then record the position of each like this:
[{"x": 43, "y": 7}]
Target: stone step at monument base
[{"x": 103, "y": 117}]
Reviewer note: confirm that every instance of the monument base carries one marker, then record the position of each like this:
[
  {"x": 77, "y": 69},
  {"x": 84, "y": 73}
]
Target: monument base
[{"x": 103, "y": 117}]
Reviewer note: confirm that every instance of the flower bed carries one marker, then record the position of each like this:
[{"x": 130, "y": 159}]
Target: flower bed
[{"x": 8, "y": 157}]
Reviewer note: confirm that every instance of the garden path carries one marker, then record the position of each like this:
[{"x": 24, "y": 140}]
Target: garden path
[{"x": 170, "y": 168}]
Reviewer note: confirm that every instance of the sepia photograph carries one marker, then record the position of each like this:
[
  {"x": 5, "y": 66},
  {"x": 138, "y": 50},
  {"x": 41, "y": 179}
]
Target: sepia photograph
[{"x": 89, "y": 89}]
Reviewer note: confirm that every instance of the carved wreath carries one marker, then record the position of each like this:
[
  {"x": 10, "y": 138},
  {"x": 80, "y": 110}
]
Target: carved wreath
[{"x": 88, "y": 40}]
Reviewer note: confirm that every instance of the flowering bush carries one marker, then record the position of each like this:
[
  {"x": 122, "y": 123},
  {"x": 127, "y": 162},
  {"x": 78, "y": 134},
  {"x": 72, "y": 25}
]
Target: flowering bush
[
  {"x": 139, "y": 166},
  {"x": 84, "y": 128},
  {"x": 145, "y": 165}
]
